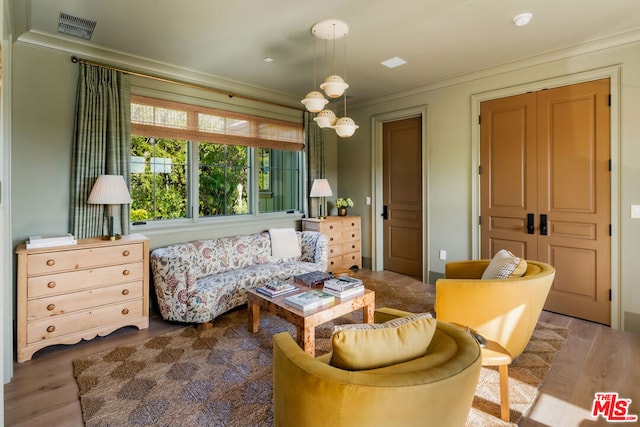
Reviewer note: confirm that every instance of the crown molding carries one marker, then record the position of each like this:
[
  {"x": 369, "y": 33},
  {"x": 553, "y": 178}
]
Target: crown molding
[
  {"x": 605, "y": 43},
  {"x": 148, "y": 66}
]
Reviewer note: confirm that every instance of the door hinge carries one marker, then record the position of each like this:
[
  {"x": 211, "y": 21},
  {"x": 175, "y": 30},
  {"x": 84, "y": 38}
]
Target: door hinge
[
  {"x": 610, "y": 230},
  {"x": 479, "y": 120},
  {"x": 609, "y": 165},
  {"x": 479, "y": 169},
  {"x": 609, "y": 100},
  {"x": 609, "y": 294},
  {"x": 479, "y": 219}
]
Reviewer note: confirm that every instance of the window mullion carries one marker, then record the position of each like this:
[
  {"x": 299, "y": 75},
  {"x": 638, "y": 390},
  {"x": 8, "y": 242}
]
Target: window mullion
[{"x": 193, "y": 184}]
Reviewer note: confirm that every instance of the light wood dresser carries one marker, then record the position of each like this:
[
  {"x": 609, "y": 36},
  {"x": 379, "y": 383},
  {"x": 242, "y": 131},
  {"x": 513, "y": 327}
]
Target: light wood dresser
[
  {"x": 70, "y": 293},
  {"x": 343, "y": 232}
]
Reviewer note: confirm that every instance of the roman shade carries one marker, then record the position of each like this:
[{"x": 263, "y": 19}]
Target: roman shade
[{"x": 167, "y": 119}]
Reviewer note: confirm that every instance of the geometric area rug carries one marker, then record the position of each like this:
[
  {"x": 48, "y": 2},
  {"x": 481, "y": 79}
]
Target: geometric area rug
[{"x": 221, "y": 376}]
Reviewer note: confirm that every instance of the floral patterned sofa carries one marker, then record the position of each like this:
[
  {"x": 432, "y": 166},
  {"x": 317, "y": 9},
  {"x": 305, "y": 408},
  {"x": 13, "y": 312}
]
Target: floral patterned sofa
[{"x": 197, "y": 281}]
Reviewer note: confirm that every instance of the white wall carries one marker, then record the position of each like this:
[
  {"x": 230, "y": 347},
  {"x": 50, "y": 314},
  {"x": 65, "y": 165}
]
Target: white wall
[{"x": 450, "y": 150}]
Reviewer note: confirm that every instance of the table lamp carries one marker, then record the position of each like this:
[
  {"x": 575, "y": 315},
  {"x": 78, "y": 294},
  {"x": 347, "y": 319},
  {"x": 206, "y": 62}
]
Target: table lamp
[
  {"x": 321, "y": 188},
  {"x": 110, "y": 190}
]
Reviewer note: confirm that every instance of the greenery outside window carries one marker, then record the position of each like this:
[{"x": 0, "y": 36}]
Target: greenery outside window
[{"x": 194, "y": 162}]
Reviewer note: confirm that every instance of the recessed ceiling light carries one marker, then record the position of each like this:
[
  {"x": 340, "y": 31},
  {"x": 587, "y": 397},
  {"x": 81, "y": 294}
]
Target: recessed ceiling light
[
  {"x": 268, "y": 59},
  {"x": 522, "y": 19},
  {"x": 393, "y": 62}
]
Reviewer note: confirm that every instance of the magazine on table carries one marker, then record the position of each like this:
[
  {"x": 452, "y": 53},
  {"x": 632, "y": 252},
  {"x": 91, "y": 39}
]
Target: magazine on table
[
  {"x": 342, "y": 283},
  {"x": 312, "y": 279},
  {"x": 310, "y": 300},
  {"x": 276, "y": 287},
  {"x": 349, "y": 293}
]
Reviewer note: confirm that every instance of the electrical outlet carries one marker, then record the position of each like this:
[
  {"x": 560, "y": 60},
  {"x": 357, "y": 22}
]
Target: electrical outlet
[
  {"x": 635, "y": 211},
  {"x": 443, "y": 255}
]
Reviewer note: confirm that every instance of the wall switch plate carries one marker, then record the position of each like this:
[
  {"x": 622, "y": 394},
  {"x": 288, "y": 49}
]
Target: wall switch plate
[
  {"x": 443, "y": 255},
  {"x": 368, "y": 200},
  {"x": 635, "y": 211}
]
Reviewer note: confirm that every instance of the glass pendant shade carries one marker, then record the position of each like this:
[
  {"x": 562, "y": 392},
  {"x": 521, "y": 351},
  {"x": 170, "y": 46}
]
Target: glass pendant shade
[
  {"x": 345, "y": 127},
  {"x": 334, "y": 86},
  {"x": 314, "y": 101},
  {"x": 325, "y": 119}
]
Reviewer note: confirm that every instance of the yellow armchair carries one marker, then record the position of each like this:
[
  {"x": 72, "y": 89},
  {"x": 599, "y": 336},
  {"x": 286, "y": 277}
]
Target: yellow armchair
[
  {"x": 504, "y": 310},
  {"x": 435, "y": 389}
]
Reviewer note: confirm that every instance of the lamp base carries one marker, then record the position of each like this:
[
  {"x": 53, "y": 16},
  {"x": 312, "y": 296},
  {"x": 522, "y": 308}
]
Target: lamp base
[{"x": 114, "y": 237}]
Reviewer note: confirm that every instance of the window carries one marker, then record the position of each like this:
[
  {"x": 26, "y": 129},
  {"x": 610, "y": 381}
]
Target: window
[{"x": 195, "y": 162}]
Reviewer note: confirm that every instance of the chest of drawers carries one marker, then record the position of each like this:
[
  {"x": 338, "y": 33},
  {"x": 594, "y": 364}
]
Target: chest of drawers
[
  {"x": 69, "y": 293},
  {"x": 343, "y": 233}
]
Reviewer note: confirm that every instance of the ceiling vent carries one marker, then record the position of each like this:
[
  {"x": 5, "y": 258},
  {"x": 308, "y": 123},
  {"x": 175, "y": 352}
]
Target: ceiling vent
[{"x": 75, "y": 26}]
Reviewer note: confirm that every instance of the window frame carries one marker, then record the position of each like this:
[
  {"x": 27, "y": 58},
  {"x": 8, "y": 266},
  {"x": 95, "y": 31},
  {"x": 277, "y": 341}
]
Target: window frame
[{"x": 193, "y": 221}]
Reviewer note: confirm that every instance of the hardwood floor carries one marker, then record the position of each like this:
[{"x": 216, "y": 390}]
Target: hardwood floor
[{"x": 595, "y": 358}]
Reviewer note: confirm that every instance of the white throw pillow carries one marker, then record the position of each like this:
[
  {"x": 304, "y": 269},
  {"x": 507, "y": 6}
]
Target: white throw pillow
[
  {"x": 502, "y": 265},
  {"x": 284, "y": 243}
]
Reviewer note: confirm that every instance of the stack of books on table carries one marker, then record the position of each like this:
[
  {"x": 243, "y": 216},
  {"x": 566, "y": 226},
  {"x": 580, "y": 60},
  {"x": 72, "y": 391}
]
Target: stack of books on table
[
  {"x": 276, "y": 287},
  {"x": 312, "y": 279},
  {"x": 344, "y": 287},
  {"x": 35, "y": 242},
  {"x": 310, "y": 300}
]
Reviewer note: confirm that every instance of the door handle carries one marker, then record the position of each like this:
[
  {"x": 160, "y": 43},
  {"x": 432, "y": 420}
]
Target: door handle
[
  {"x": 385, "y": 212},
  {"x": 543, "y": 225},
  {"x": 530, "y": 226}
]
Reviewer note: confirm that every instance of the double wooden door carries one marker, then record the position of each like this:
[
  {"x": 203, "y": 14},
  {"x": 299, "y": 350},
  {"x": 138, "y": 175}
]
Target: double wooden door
[{"x": 545, "y": 189}]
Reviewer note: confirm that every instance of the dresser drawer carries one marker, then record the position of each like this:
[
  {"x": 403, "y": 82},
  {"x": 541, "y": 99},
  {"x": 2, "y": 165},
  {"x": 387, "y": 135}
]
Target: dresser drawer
[
  {"x": 51, "y": 262},
  {"x": 53, "y": 284},
  {"x": 346, "y": 261},
  {"x": 41, "y": 308},
  {"x": 58, "y": 326},
  {"x": 344, "y": 248}
]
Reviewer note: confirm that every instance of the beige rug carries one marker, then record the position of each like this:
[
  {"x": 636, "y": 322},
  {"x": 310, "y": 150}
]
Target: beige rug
[{"x": 222, "y": 376}]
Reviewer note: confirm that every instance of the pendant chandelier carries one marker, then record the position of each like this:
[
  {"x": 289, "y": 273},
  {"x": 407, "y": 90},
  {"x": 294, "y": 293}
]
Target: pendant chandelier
[{"x": 334, "y": 85}]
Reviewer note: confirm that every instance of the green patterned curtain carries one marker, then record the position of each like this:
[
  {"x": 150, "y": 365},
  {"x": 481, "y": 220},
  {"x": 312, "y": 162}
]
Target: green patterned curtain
[
  {"x": 314, "y": 145},
  {"x": 101, "y": 145}
]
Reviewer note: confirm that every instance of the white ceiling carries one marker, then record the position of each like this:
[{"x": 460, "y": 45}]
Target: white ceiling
[{"x": 229, "y": 38}]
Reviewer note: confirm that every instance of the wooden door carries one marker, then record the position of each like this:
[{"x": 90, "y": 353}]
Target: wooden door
[
  {"x": 402, "y": 196},
  {"x": 553, "y": 148}
]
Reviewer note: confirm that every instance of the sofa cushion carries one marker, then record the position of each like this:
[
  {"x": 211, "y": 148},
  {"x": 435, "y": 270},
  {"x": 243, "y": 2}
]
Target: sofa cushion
[
  {"x": 369, "y": 346},
  {"x": 284, "y": 243},
  {"x": 503, "y": 265}
]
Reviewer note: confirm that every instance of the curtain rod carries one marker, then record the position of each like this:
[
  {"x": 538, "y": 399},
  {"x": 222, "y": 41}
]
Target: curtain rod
[{"x": 75, "y": 59}]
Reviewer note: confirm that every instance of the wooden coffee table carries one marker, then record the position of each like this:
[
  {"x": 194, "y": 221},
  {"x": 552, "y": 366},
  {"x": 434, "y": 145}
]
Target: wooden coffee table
[{"x": 306, "y": 323}]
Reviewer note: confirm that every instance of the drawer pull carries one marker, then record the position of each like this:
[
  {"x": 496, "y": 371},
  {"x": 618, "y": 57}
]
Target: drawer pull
[
  {"x": 51, "y": 307},
  {"x": 51, "y": 262},
  {"x": 353, "y": 235},
  {"x": 125, "y": 311},
  {"x": 51, "y": 328},
  {"x": 331, "y": 250},
  {"x": 125, "y": 292},
  {"x": 51, "y": 285},
  {"x": 331, "y": 227},
  {"x": 125, "y": 272},
  {"x": 126, "y": 253},
  {"x": 353, "y": 246},
  {"x": 331, "y": 239}
]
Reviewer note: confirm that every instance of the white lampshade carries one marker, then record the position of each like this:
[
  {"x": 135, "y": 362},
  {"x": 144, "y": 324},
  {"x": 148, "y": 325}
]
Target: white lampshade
[
  {"x": 345, "y": 127},
  {"x": 334, "y": 86},
  {"x": 314, "y": 101},
  {"x": 109, "y": 190},
  {"x": 320, "y": 188},
  {"x": 325, "y": 119}
]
